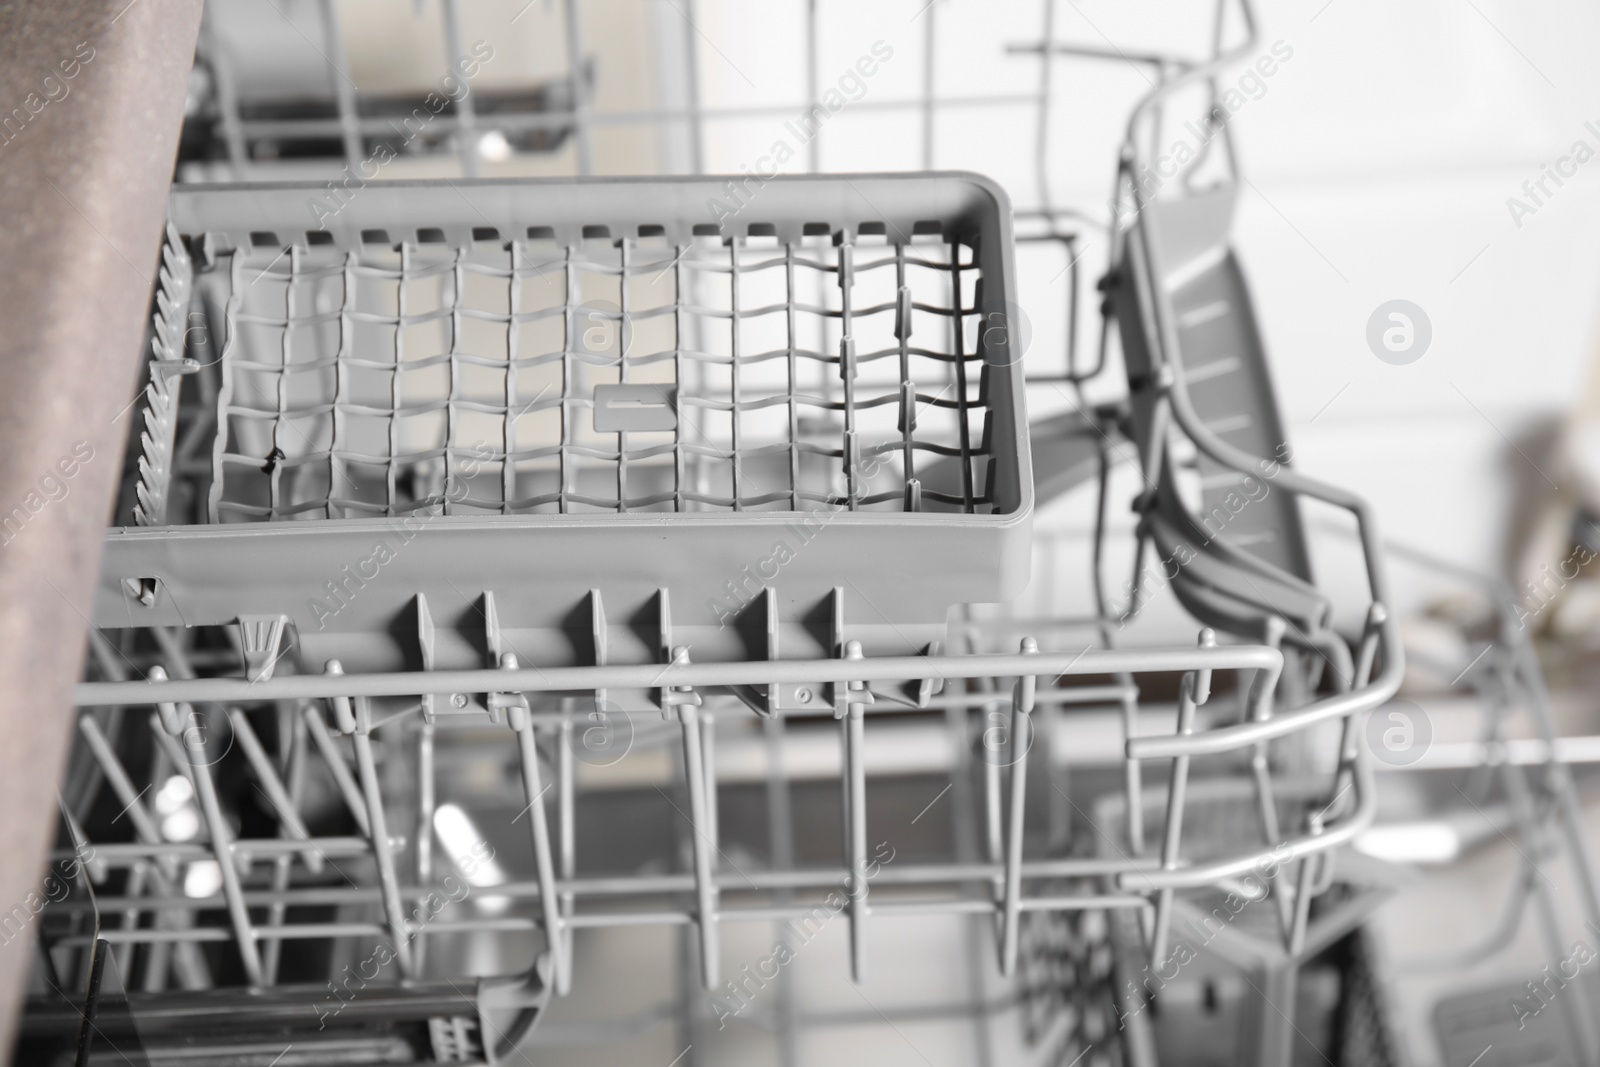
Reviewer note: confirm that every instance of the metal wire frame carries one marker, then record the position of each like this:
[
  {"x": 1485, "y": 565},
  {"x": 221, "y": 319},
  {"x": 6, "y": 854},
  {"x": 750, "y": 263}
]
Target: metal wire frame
[
  {"x": 1173, "y": 408},
  {"x": 318, "y": 355},
  {"x": 466, "y": 125},
  {"x": 1135, "y": 882},
  {"x": 1143, "y": 885},
  {"x": 1544, "y": 805}
]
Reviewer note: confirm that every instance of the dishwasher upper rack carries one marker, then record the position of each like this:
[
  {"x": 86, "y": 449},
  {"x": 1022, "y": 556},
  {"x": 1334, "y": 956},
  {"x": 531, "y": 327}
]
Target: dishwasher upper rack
[{"x": 696, "y": 382}]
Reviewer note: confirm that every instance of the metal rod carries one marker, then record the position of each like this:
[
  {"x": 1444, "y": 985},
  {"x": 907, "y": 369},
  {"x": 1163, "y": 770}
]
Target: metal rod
[
  {"x": 580, "y": 91},
  {"x": 611, "y": 920},
  {"x": 466, "y": 110},
  {"x": 564, "y": 119},
  {"x": 1041, "y": 135},
  {"x": 697, "y": 122},
  {"x": 126, "y": 853},
  {"x": 928, "y": 66},
  {"x": 227, "y": 103},
  {"x": 1201, "y": 874},
  {"x": 814, "y": 147},
  {"x": 899, "y": 874},
  {"x": 344, "y": 90},
  {"x": 783, "y": 672},
  {"x": 1194, "y": 691}
]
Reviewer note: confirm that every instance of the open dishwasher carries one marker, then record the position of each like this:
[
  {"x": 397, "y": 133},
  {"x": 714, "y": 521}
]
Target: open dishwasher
[{"x": 574, "y": 621}]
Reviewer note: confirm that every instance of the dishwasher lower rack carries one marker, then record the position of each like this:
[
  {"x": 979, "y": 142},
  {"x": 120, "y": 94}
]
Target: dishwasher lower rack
[
  {"x": 249, "y": 834},
  {"x": 379, "y": 415}
]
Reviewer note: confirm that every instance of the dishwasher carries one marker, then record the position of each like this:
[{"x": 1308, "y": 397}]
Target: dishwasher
[{"x": 577, "y": 620}]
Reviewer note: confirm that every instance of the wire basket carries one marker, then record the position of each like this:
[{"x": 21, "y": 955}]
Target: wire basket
[{"x": 596, "y": 398}]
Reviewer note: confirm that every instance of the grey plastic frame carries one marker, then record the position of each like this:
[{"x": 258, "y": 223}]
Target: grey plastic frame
[{"x": 906, "y": 568}]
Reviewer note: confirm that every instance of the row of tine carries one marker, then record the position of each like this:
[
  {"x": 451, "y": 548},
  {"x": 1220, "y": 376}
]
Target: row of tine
[{"x": 181, "y": 731}]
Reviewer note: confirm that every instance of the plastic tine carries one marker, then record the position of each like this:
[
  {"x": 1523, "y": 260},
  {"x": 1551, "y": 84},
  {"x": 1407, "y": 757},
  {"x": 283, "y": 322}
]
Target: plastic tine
[
  {"x": 177, "y": 719},
  {"x": 687, "y": 703},
  {"x": 293, "y": 729},
  {"x": 1133, "y": 776},
  {"x": 521, "y": 720},
  {"x": 1305, "y": 889},
  {"x": 1261, "y": 773},
  {"x": 382, "y": 847},
  {"x": 1365, "y": 656},
  {"x": 566, "y": 825},
  {"x": 1196, "y": 690},
  {"x": 1021, "y": 708},
  {"x": 190, "y": 963},
  {"x": 273, "y": 786},
  {"x": 337, "y": 766},
  {"x": 857, "y": 697}
]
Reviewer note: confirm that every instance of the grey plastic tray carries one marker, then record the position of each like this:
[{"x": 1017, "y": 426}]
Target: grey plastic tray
[{"x": 613, "y": 408}]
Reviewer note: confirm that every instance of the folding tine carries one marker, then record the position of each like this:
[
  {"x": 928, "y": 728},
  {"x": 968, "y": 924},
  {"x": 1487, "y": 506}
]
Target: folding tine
[
  {"x": 1194, "y": 692},
  {"x": 708, "y": 760},
  {"x": 1261, "y": 771},
  {"x": 851, "y": 710},
  {"x": 1316, "y": 872},
  {"x": 294, "y": 728},
  {"x": 1133, "y": 776},
  {"x": 337, "y": 765},
  {"x": 520, "y": 719},
  {"x": 1305, "y": 889},
  {"x": 992, "y": 818},
  {"x": 1022, "y": 701},
  {"x": 567, "y": 829},
  {"x": 1344, "y": 779},
  {"x": 687, "y": 703},
  {"x": 357, "y": 722},
  {"x": 422, "y": 848},
  {"x": 273, "y": 786},
  {"x": 176, "y": 720},
  {"x": 190, "y": 964}
]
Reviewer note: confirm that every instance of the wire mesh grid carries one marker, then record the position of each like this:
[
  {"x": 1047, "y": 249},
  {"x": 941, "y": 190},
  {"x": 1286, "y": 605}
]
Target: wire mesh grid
[{"x": 611, "y": 375}]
